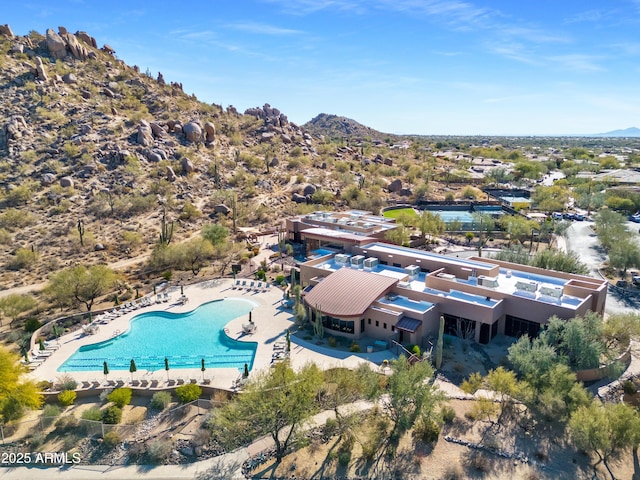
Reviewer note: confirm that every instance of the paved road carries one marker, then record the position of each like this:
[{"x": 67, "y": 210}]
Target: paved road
[{"x": 581, "y": 239}]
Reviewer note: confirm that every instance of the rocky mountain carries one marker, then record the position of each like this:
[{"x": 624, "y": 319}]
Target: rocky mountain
[
  {"x": 341, "y": 128},
  {"x": 626, "y": 132},
  {"x": 93, "y": 153}
]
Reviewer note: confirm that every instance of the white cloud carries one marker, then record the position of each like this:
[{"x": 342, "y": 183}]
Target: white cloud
[{"x": 260, "y": 28}]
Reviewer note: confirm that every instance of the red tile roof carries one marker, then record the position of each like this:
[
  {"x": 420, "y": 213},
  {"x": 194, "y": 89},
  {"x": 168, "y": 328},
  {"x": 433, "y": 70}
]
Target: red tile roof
[{"x": 348, "y": 292}]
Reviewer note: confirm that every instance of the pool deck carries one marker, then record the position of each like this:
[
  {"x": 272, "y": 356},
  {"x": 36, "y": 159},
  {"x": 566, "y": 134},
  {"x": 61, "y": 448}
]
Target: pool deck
[{"x": 271, "y": 319}]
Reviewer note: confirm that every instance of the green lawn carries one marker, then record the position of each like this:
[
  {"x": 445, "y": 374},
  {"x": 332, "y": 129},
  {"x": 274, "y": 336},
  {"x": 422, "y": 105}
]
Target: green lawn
[{"x": 400, "y": 211}]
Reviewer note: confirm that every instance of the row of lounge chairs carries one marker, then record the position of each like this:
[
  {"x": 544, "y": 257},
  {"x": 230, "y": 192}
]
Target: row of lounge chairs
[
  {"x": 37, "y": 357},
  {"x": 251, "y": 286},
  {"x": 143, "y": 383},
  {"x": 280, "y": 352},
  {"x": 131, "y": 306}
]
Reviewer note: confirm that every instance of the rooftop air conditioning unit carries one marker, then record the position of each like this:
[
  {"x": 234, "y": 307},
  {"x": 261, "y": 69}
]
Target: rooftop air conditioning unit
[
  {"x": 526, "y": 286},
  {"x": 357, "y": 261},
  {"x": 342, "y": 259},
  {"x": 551, "y": 291},
  {"x": 412, "y": 271},
  {"x": 489, "y": 282},
  {"x": 447, "y": 276},
  {"x": 371, "y": 262}
]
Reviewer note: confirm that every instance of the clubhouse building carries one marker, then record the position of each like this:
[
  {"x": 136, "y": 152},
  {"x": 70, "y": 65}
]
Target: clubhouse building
[{"x": 365, "y": 287}]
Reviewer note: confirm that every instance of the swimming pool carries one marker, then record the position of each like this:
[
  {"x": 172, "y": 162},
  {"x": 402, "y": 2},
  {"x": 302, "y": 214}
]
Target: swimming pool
[{"x": 183, "y": 338}]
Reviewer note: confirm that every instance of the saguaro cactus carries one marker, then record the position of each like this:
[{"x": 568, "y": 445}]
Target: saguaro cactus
[
  {"x": 81, "y": 231},
  {"x": 166, "y": 230},
  {"x": 440, "y": 343}
]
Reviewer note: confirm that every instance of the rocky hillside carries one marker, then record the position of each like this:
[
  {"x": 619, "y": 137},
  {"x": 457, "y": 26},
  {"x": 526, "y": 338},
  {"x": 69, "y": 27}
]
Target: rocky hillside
[
  {"x": 92, "y": 152},
  {"x": 341, "y": 128}
]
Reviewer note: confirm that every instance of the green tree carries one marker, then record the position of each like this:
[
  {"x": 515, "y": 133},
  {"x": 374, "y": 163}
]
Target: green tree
[
  {"x": 430, "y": 223},
  {"x": 559, "y": 261},
  {"x": 398, "y": 235},
  {"x": 81, "y": 284},
  {"x": 607, "y": 430},
  {"x": 14, "y": 305},
  {"x": 274, "y": 403},
  {"x": 16, "y": 392},
  {"x": 550, "y": 199},
  {"x": 410, "y": 394},
  {"x": 216, "y": 234},
  {"x": 195, "y": 252},
  {"x": 624, "y": 254}
]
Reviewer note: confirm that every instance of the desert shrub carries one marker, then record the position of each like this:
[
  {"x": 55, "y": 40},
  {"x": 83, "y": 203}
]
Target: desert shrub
[
  {"x": 330, "y": 427},
  {"x": 160, "y": 400},
  {"x": 111, "y": 439},
  {"x": 5, "y": 237},
  {"x": 416, "y": 350},
  {"x": 44, "y": 385},
  {"x": 448, "y": 414},
  {"x": 355, "y": 348},
  {"x": 36, "y": 440},
  {"x": 112, "y": 415},
  {"x": 70, "y": 441},
  {"x": 13, "y": 218},
  {"x": 67, "y": 397},
  {"x": 22, "y": 258},
  {"x": 120, "y": 396},
  {"x": 94, "y": 414},
  {"x": 66, "y": 382},
  {"x": 629, "y": 387},
  {"x": 51, "y": 411},
  {"x": 332, "y": 342},
  {"x": 427, "y": 430},
  {"x": 159, "y": 450},
  {"x": 344, "y": 457},
  {"x": 189, "y": 392},
  {"x": 66, "y": 423},
  {"x": 31, "y": 325}
]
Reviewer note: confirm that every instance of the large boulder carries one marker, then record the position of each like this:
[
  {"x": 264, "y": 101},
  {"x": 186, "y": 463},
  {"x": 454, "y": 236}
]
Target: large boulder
[
  {"x": 145, "y": 134},
  {"x": 210, "y": 132},
  {"x": 56, "y": 45},
  {"x": 187, "y": 165},
  {"x": 222, "y": 208},
  {"x": 192, "y": 131},
  {"x": 309, "y": 190},
  {"x": 157, "y": 130},
  {"x": 296, "y": 197},
  {"x": 40, "y": 71},
  {"x": 395, "y": 186},
  {"x": 86, "y": 38},
  {"x": 77, "y": 49},
  {"x": 6, "y": 30},
  {"x": 69, "y": 78},
  {"x": 16, "y": 127},
  {"x": 48, "y": 179},
  {"x": 66, "y": 182}
]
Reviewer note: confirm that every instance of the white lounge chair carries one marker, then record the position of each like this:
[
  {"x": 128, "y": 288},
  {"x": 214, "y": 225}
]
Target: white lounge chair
[
  {"x": 165, "y": 299},
  {"x": 36, "y": 353}
]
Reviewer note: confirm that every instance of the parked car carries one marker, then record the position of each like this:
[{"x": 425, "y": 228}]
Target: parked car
[
  {"x": 569, "y": 216},
  {"x": 579, "y": 217},
  {"x": 557, "y": 216},
  {"x": 635, "y": 218}
]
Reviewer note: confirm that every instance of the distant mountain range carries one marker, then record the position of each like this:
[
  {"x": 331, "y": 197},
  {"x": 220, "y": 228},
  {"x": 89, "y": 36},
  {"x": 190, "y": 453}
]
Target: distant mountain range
[{"x": 627, "y": 132}]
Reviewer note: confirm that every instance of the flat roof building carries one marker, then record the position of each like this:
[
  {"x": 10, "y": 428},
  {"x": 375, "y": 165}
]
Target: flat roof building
[{"x": 389, "y": 292}]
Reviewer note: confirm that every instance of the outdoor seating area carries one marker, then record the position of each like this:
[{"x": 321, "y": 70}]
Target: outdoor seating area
[
  {"x": 251, "y": 286},
  {"x": 280, "y": 352},
  {"x": 249, "y": 328}
]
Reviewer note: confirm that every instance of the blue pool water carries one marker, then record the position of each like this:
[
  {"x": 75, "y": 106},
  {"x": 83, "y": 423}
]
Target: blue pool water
[{"x": 184, "y": 339}]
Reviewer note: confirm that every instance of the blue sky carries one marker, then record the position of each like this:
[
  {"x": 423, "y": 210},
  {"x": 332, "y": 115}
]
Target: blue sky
[{"x": 450, "y": 67}]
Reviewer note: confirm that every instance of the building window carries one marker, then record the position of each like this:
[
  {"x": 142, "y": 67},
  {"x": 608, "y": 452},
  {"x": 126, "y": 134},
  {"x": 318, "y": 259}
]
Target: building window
[
  {"x": 397, "y": 265},
  {"x": 384, "y": 325},
  {"x": 377, "y": 323},
  {"x": 338, "y": 325},
  {"x": 383, "y": 262},
  {"x": 393, "y": 328},
  {"x": 369, "y": 321}
]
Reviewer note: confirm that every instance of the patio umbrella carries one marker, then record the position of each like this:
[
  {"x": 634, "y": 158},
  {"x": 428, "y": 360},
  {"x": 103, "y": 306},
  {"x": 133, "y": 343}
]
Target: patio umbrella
[
  {"x": 203, "y": 369},
  {"x": 132, "y": 368},
  {"x": 166, "y": 366},
  {"x": 105, "y": 369},
  {"x": 246, "y": 371}
]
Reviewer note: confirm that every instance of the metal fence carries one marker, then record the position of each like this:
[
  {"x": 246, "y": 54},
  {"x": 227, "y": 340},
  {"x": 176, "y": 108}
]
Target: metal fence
[{"x": 176, "y": 417}]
